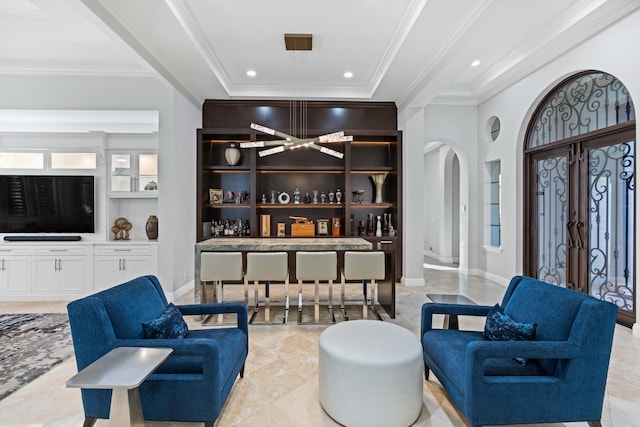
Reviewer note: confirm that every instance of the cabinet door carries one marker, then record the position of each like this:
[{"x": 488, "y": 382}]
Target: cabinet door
[
  {"x": 107, "y": 272},
  {"x": 44, "y": 274},
  {"x": 15, "y": 275},
  {"x": 73, "y": 275},
  {"x": 136, "y": 267},
  {"x": 133, "y": 173}
]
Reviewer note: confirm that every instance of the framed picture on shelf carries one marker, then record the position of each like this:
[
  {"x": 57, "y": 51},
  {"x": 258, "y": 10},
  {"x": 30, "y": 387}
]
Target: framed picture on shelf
[
  {"x": 215, "y": 196},
  {"x": 323, "y": 227}
]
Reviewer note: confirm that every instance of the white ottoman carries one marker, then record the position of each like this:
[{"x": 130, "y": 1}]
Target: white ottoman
[{"x": 370, "y": 374}]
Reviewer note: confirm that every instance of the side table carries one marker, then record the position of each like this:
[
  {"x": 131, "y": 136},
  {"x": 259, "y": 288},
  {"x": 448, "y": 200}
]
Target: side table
[
  {"x": 123, "y": 369},
  {"x": 450, "y": 321}
]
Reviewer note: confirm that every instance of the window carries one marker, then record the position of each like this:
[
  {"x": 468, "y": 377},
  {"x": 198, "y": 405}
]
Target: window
[
  {"x": 73, "y": 160},
  {"x": 492, "y": 211},
  {"x": 21, "y": 160}
]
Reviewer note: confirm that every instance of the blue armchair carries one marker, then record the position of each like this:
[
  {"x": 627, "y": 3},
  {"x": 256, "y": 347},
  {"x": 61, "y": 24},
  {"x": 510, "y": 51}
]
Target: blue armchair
[
  {"x": 559, "y": 376},
  {"x": 193, "y": 384}
]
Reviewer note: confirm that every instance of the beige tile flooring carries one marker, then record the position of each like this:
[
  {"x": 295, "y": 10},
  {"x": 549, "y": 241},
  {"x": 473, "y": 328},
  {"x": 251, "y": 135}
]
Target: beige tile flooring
[{"x": 280, "y": 386}]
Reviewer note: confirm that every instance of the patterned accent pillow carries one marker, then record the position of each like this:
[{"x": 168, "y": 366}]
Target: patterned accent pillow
[
  {"x": 169, "y": 325},
  {"x": 500, "y": 327}
]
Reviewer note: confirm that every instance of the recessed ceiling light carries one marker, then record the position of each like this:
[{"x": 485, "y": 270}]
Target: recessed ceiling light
[
  {"x": 251, "y": 73},
  {"x": 348, "y": 75},
  {"x": 475, "y": 63}
]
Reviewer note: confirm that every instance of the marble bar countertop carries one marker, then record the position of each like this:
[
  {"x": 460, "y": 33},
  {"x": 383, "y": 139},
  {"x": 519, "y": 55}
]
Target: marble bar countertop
[{"x": 284, "y": 244}]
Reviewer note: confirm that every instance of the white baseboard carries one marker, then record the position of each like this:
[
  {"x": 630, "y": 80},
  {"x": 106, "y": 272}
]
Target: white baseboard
[
  {"x": 187, "y": 287},
  {"x": 636, "y": 329},
  {"x": 412, "y": 281}
]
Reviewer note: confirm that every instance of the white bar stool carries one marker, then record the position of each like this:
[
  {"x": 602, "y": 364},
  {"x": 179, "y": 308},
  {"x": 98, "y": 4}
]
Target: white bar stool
[
  {"x": 316, "y": 267},
  {"x": 217, "y": 267},
  {"x": 364, "y": 266},
  {"x": 266, "y": 267}
]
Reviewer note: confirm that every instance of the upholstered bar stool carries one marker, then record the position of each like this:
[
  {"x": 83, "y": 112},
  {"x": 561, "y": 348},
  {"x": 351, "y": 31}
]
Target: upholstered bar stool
[
  {"x": 267, "y": 267},
  {"x": 367, "y": 267},
  {"x": 216, "y": 267},
  {"x": 316, "y": 267}
]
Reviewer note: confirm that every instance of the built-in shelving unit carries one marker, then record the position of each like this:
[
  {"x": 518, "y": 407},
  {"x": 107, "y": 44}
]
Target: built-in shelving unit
[{"x": 376, "y": 149}]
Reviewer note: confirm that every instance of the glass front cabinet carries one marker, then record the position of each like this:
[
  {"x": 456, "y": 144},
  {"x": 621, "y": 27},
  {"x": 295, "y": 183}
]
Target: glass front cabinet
[{"x": 133, "y": 174}]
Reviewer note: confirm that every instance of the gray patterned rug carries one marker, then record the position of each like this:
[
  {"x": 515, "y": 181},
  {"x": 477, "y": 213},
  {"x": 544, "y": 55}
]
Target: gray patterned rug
[{"x": 30, "y": 345}]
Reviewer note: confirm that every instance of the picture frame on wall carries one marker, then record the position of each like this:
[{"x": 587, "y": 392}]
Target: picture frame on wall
[{"x": 215, "y": 196}]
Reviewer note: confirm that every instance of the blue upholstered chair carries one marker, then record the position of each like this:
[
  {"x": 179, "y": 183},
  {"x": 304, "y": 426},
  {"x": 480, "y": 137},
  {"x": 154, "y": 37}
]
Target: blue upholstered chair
[
  {"x": 193, "y": 384},
  {"x": 559, "y": 376}
]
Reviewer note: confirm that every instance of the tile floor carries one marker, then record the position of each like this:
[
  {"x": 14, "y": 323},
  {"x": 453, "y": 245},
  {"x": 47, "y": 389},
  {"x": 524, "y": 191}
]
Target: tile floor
[{"x": 280, "y": 386}]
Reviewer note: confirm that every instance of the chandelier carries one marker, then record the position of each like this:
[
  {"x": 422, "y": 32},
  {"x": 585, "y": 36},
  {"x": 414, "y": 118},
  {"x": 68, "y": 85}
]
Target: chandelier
[{"x": 296, "y": 43}]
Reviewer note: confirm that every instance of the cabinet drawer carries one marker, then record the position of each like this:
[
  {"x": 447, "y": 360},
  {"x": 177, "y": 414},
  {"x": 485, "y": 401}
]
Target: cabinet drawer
[
  {"x": 62, "y": 251},
  {"x": 140, "y": 250},
  {"x": 14, "y": 251}
]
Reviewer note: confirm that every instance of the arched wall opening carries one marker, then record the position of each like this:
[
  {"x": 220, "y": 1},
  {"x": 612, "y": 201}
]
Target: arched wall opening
[{"x": 446, "y": 198}]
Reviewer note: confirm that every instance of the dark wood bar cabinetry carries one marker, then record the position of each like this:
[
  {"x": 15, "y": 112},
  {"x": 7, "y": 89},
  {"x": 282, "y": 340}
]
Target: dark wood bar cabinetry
[{"x": 249, "y": 188}]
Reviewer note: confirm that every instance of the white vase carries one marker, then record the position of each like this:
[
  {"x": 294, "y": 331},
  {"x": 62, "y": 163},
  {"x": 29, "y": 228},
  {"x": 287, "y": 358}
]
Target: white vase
[
  {"x": 232, "y": 154},
  {"x": 378, "y": 180}
]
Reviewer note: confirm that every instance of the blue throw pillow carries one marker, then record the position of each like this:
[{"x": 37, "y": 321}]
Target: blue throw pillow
[
  {"x": 169, "y": 325},
  {"x": 500, "y": 327}
]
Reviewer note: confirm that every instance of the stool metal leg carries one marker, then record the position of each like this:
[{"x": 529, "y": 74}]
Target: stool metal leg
[
  {"x": 343, "y": 308},
  {"x": 299, "y": 301},
  {"x": 316, "y": 301},
  {"x": 330, "y": 302},
  {"x": 256, "y": 302},
  {"x": 267, "y": 308},
  {"x": 286, "y": 302},
  {"x": 365, "y": 302}
]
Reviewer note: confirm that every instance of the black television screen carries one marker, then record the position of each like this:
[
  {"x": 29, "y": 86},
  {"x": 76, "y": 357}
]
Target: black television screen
[{"x": 46, "y": 204}]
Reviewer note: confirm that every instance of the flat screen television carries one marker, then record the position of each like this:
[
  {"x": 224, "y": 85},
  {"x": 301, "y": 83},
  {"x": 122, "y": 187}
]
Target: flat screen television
[{"x": 47, "y": 204}]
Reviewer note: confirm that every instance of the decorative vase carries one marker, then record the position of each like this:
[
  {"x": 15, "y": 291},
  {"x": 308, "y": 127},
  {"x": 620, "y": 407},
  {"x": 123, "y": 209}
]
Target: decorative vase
[
  {"x": 152, "y": 227},
  {"x": 232, "y": 154},
  {"x": 378, "y": 180}
]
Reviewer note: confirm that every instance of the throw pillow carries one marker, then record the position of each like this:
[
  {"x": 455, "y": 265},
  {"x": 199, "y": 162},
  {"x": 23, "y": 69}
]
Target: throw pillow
[
  {"x": 500, "y": 327},
  {"x": 169, "y": 325}
]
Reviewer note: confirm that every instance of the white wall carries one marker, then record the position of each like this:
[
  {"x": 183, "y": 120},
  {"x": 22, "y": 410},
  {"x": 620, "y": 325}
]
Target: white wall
[
  {"x": 176, "y": 139},
  {"x": 432, "y": 190},
  {"x": 613, "y": 51}
]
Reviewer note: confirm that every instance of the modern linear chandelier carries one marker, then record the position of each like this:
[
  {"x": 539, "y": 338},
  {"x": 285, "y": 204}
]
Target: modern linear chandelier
[{"x": 296, "y": 43}]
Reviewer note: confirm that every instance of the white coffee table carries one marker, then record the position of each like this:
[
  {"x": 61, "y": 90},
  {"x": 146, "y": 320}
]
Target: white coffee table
[{"x": 123, "y": 369}]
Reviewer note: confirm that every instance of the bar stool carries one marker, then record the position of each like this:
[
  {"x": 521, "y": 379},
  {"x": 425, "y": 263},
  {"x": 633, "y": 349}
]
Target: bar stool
[
  {"x": 316, "y": 267},
  {"x": 216, "y": 267},
  {"x": 365, "y": 266},
  {"x": 266, "y": 267}
]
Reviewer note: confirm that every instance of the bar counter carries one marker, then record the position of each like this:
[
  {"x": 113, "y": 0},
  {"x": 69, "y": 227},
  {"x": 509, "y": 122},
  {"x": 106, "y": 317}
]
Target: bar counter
[{"x": 386, "y": 288}]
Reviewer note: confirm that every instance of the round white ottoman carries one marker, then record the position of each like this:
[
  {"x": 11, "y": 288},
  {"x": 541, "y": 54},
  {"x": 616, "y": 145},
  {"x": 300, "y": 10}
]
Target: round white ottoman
[{"x": 370, "y": 374}]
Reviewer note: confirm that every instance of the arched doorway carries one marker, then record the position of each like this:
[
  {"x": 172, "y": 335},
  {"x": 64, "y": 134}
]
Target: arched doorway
[
  {"x": 579, "y": 210},
  {"x": 443, "y": 193}
]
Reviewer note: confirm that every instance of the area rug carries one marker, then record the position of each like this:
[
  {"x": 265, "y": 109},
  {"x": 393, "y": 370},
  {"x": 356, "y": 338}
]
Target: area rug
[{"x": 30, "y": 345}]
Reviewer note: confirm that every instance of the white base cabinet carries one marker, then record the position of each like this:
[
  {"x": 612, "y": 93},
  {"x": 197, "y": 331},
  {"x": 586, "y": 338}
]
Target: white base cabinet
[
  {"x": 117, "y": 263},
  {"x": 61, "y": 270},
  {"x": 15, "y": 274},
  {"x": 31, "y": 272}
]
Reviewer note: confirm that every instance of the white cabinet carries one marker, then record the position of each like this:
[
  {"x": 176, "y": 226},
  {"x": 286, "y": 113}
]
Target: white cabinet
[
  {"x": 15, "y": 277},
  {"x": 118, "y": 262},
  {"x": 133, "y": 174},
  {"x": 62, "y": 270}
]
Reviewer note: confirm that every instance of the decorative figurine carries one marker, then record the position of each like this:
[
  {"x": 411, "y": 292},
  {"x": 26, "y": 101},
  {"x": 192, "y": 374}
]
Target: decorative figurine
[
  {"x": 331, "y": 196},
  {"x": 307, "y": 198},
  {"x": 338, "y": 196},
  {"x": 273, "y": 197},
  {"x": 323, "y": 198},
  {"x": 296, "y": 197},
  {"x": 378, "y": 227},
  {"x": 264, "y": 199},
  {"x": 315, "y": 197}
]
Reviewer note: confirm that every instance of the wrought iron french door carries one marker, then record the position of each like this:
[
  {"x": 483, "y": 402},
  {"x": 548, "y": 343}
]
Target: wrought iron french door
[{"x": 581, "y": 217}]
